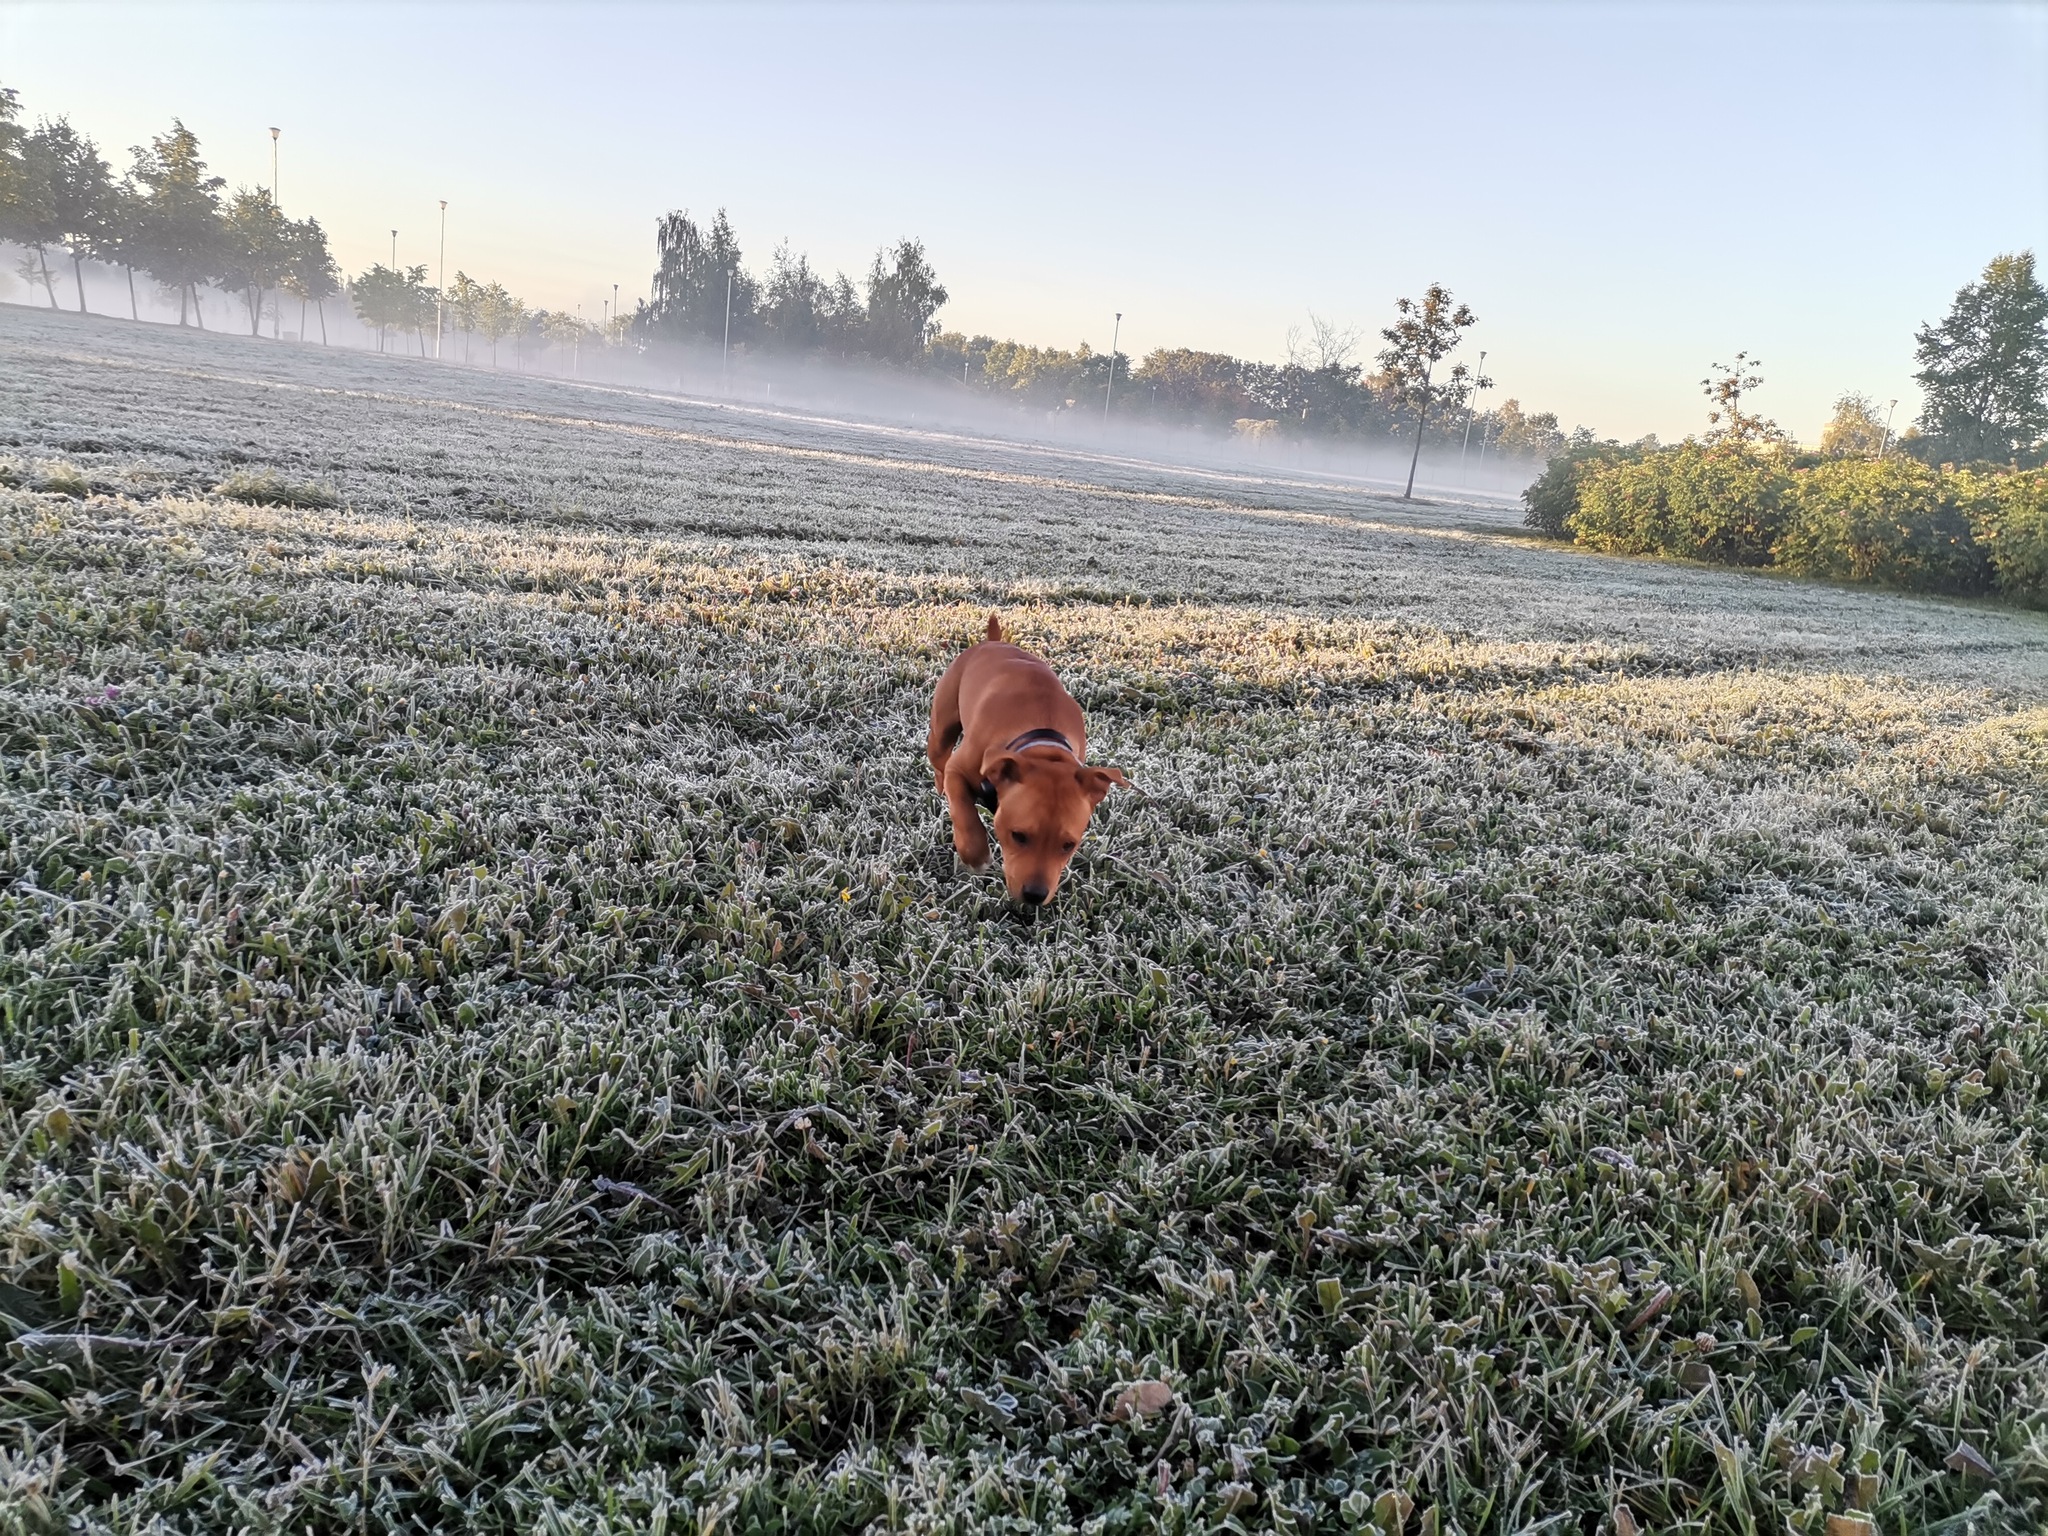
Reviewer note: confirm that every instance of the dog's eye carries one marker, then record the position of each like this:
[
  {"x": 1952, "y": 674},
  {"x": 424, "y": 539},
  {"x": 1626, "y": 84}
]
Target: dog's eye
[
  {"x": 1069, "y": 845},
  {"x": 1020, "y": 838}
]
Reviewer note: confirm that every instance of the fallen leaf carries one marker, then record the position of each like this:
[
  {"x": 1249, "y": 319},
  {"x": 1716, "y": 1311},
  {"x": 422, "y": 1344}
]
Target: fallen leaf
[{"x": 1141, "y": 1400}]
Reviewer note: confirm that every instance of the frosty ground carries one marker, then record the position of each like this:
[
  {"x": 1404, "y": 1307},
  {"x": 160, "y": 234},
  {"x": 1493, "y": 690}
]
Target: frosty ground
[{"x": 494, "y": 1034}]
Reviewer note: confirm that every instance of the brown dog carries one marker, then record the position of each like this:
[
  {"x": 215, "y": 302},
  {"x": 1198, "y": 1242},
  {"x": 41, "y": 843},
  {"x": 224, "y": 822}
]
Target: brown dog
[{"x": 1007, "y": 735}]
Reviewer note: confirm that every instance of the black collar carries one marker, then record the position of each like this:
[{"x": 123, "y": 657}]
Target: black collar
[{"x": 1044, "y": 736}]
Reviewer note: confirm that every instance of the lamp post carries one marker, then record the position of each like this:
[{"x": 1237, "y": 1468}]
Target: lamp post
[
  {"x": 1115, "y": 331},
  {"x": 394, "y": 250},
  {"x": 274, "y": 203},
  {"x": 441, "y": 289},
  {"x": 725, "y": 351},
  {"x": 1884, "y": 439},
  {"x": 1478, "y": 383}
]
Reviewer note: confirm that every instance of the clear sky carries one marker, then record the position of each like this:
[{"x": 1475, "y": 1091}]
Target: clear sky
[{"x": 1624, "y": 193}]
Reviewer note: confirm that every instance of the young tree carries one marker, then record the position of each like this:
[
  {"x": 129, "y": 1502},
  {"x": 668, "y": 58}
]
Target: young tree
[
  {"x": 122, "y": 240},
  {"x": 1985, "y": 368},
  {"x": 498, "y": 315},
  {"x": 1855, "y": 431},
  {"x": 79, "y": 195},
  {"x": 33, "y": 222},
  {"x": 256, "y": 249},
  {"x": 465, "y": 297},
  {"x": 1423, "y": 337},
  {"x": 179, "y": 228},
  {"x": 567, "y": 331},
  {"x": 904, "y": 294},
  {"x": 1727, "y": 422},
  {"x": 14, "y": 180},
  {"x": 792, "y": 302},
  {"x": 311, "y": 274},
  {"x": 393, "y": 299}
]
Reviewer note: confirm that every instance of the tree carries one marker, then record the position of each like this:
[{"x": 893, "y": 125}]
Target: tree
[
  {"x": 1855, "y": 431},
  {"x": 15, "y": 190},
  {"x": 122, "y": 239},
  {"x": 1424, "y": 336},
  {"x": 1985, "y": 368},
  {"x": 793, "y": 302},
  {"x": 699, "y": 285},
  {"x": 498, "y": 315},
  {"x": 78, "y": 196},
  {"x": 393, "y": 299},
  {"x": 1727, "y": 422},
  {"x": 904, "y": 294},
  {"x": 465, "y": 296},
  {"x": 179, "y": 227},
  {"x": 567, "y": 331},
  {"x": 256, "y": 249},
  {"x": 311, "y": 274}
]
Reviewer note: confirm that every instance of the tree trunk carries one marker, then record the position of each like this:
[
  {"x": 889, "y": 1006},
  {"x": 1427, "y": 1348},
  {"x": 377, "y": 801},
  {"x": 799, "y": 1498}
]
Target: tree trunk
[
  {"x": 255, "y": 310},
  {"x": 323, "y": 322},
  {"x": 302, "y": 320},
  {"x": 1416, "y": 457},
  {"x": 183, "y": 289},
  {"x": 134, "y": 310},
  {"x": 78, "y": 272},
  {"x": 1421, "y": 415},
  {"x": 48, "y": 286},
  {"x": 198, "y": 310}
]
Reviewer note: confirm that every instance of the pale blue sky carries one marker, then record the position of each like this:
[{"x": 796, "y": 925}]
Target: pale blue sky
[{"x": 1624, "y": 193}]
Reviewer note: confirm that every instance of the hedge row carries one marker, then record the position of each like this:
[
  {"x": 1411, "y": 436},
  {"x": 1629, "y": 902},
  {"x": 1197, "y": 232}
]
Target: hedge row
[{"x": 1894, "y": 521}]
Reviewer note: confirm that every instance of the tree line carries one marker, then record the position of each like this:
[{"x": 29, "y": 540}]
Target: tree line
[
  {"x": 702, "y": 293},
  {"x": 168, "y": 218}
]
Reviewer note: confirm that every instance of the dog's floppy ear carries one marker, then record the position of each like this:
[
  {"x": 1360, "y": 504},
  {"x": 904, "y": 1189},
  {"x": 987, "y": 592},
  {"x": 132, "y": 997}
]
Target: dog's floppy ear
[
  {"x": 1095, "y": 782},
  {"x": 1003, "y": 770}
]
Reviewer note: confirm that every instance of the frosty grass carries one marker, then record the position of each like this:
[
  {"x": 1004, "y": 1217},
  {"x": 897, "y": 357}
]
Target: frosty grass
[{"x": 494, "y": 1036}]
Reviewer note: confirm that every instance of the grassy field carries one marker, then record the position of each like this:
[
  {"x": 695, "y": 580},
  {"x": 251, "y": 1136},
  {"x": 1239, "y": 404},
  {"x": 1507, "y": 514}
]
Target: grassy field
[{"x": 494, "y": 1037}]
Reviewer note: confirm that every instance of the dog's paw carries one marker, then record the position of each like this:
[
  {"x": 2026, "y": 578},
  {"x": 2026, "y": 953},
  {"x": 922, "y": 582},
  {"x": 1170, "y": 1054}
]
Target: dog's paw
[{"x": 974, "y": 856}]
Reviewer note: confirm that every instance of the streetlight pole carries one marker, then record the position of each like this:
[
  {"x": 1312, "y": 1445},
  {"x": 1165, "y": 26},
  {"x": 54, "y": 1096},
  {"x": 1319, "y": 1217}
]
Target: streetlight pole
[
  {"x": 1884, "y": 439},
  {"x": 1478, "y": 383},
  {"x": 725, "y": 351},
  {"x": 441, "y": 290},
  {"x": 276, "y": 304},
  {"x": 394, "y": 250},
  {"x": 1115, "y": 332}
]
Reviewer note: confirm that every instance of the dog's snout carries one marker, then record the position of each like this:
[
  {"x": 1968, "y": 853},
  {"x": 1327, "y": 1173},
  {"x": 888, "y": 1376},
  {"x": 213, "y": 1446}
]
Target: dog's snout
[{"x": 1035, "y": 894}]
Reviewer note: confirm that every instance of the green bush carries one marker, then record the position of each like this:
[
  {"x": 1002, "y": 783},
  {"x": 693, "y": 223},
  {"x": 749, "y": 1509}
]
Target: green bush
[
  {"x": 1548, "y": 503},
  {"x": 1893, "y": 521},
  {"x": 2012, "y": 525},
  {"x": 1721, "y": 503}
]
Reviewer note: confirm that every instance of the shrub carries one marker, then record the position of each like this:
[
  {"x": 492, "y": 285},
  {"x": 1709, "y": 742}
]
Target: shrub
[
  {"x": 264, "y": 489},
  {"x": 1549, "y": 501},
  {"x": 1723, "y": 503},
  {"x": 1892, "y": 521},
  {"x": 2011, "y": 517}
]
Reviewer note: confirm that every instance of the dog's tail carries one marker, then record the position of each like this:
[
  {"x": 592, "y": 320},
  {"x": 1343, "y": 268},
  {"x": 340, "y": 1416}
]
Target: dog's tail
[{"x": 995, "y": 628}]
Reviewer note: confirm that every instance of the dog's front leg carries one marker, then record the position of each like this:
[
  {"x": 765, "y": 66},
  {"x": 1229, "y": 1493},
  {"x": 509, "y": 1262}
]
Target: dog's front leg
[{"x": 970, "y": 839}]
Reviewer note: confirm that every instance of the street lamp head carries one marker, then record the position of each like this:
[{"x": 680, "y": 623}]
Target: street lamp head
[
  {"x": 275, "y": 132},
  {"x": 444, "y": 205}
]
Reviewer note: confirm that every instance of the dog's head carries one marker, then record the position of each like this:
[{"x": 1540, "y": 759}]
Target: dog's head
[{"x": 1042, "y": 808}]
